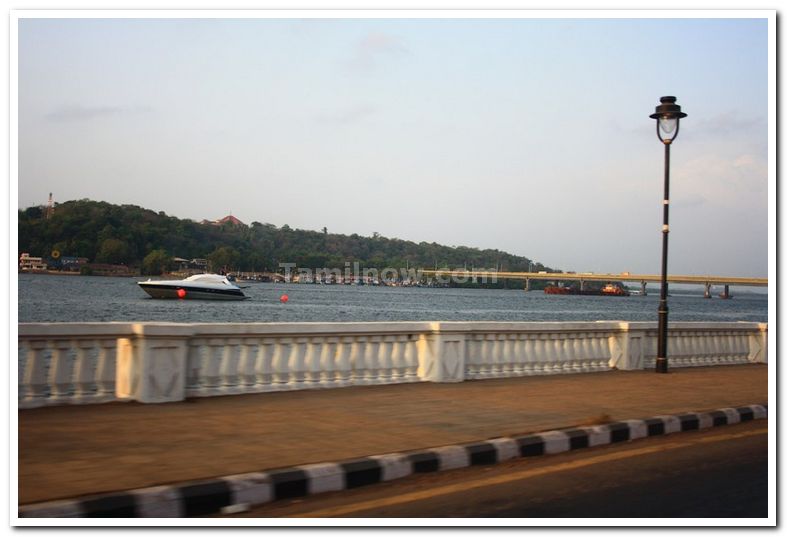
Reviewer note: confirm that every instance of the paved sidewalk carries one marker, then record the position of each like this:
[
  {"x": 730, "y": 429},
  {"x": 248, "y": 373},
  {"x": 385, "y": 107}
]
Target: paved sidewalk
[{"x": 76, "y": 450}]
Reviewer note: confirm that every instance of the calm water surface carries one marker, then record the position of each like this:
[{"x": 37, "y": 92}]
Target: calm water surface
[{"x": 46, "y": 298}]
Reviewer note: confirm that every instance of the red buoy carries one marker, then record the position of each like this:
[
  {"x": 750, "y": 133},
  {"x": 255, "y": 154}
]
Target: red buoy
[
  {"x": 284, "y": 299},
  {"x": 181, "y": 293}
]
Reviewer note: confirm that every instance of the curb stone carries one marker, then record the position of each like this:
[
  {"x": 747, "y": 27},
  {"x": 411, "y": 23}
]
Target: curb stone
[{"x": 236, "y": 493}]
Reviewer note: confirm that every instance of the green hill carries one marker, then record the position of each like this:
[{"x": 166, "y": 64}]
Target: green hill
[{"x": 131, "y": 235}]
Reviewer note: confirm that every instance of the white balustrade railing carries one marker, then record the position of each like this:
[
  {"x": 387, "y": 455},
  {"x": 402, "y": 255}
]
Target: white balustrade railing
[
  {"x": 706, "y": 345},
  {"x": 72, "y": 363},
  {"x": 68, "y": 363}
]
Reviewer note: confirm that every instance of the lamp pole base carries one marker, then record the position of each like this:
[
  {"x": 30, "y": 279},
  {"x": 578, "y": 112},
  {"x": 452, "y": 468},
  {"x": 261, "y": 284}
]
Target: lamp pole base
[{"x": 661, "y": 365}]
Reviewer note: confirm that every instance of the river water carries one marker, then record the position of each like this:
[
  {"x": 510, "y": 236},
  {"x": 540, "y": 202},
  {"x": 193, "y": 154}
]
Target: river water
[{"x": 50, "y": 298}]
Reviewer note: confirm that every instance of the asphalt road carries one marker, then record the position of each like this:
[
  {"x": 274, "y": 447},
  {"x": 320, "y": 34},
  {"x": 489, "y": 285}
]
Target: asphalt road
[{"x": 718, "y": 472}]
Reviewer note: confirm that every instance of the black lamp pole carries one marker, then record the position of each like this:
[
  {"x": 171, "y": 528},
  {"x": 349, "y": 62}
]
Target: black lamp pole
[{"x": 668, "y": 116}]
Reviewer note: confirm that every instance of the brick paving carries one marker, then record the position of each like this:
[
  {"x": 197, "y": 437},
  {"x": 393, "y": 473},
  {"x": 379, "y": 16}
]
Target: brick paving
[{"x": 76, "y": 450}]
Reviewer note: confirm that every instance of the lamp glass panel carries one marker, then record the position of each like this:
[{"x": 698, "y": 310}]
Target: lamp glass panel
[{"x": 667, "y": 127}]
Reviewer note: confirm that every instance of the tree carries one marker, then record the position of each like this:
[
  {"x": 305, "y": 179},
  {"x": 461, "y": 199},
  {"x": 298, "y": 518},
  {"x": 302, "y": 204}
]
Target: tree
[
  {"x": 156, "y": 262},
  {"x": 223, "y": 258},
  {"x": 113, "y": 251}
]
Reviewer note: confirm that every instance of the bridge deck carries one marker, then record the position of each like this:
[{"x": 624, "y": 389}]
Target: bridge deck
[{"x": 606, "y": 277}]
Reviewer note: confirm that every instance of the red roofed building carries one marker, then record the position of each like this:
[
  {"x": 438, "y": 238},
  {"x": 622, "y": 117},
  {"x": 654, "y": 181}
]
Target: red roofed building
[{"x": 226, "y": 220}]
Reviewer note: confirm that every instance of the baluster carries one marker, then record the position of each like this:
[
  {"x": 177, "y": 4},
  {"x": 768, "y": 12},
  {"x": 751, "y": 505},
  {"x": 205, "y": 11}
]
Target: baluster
[
  {"x": 554, "y": 365},
  {"x": 263, "y": 366},
  {"x": 539, "y": 354},
  {"x": 488, "y": 354},
  {"x": 684, "y": 349},
  {"x": 517, "y": 355},
  {"x": 711, "y": 348},
  {"x": 480, "y": 355},
  {"x": 578, "y": 346},
  {"x": 358, "y": 361},
  {"x": 472, "y": 359},
  {"x": 195, "y": 360},
  {"x": 22, "y": 350},
  {"x": 701, "y": 356},
  {"x": 702, "y": 349},
  {"x": 298, "y": 363},
  {"x": 329, "y": 363},
  {"x": 84, "y": 371},
  {"x": 732, "y": 351},
  {"x": 60, "y": 372},
  {"x": 312, "y": 366},
  {"x": 397, "y": 344},
  {"x": 281, "y": 364},
  {"x": 508, "y": 355},
  {"x": 551, "y": 355},
  {"x": 371, "y": 358},
  {"x": 210, "y": 370},
  {"x": 724, "y": 347},
  {"x": 596, "y": 353},
  {"x": 229, "y": 369},
  {"x": 344, "y": 361},
  {"x": 739, "y": 344},
  {"x": 720, "y": 351},
  {"x": 498, "y": 356},
  {"x": 527, "y": 354},
  {"x": 385, "y": 359},
  {"x": 36, "y": 388},
  {"x": 574, "y": 355},
  {"x": 561, "y": 352},
  {"x": 602, "y": 353},
  {"x": 410, "y": 359},
  {"x": 571, "y": 358},
  {"x": 679, "y": 349},
  {"x": 105, "y": 370},
  {"x": 582, "y": 350},
  {"x": 247, "y": 375}
]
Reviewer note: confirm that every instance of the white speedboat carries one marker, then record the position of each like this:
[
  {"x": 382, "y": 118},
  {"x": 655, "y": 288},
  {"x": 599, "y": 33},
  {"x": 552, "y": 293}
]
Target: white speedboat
[{"x": 199, "y": 287}]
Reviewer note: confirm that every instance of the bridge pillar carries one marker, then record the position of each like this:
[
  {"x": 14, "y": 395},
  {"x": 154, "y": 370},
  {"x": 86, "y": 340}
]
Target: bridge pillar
[
  {"x": 527, "y": 284},
  {"x": 707, "y": 290},
  {"x": 643, "y": 284},
  {"x": 581, "y": 285},
  {"x": 726, "y": 293}
]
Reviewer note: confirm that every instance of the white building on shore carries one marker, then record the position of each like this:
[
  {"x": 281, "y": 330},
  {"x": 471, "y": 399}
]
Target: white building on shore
[{"x": 31, "y": 264}]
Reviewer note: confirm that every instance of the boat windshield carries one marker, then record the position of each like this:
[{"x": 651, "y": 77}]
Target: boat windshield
[{"x": 207, "y": 278}]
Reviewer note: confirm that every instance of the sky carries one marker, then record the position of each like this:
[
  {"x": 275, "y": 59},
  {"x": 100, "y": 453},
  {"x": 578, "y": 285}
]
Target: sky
[{"x": 529, "y": 135}]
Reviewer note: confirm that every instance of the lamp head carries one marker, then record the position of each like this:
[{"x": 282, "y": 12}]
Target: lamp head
[{"x": 668, "y": 117}]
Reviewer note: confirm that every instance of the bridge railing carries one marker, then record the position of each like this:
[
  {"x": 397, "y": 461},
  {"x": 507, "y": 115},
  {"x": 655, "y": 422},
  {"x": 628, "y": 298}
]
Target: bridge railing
[{"x": 75, "y": 363}]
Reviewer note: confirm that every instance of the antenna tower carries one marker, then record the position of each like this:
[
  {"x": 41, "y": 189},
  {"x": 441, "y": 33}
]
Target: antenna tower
[{"x": 50, "y": 207}]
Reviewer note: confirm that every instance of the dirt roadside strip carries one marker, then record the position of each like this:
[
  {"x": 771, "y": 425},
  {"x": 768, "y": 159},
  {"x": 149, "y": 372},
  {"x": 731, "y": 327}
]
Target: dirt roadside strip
[{"x": 236, "y": 493}]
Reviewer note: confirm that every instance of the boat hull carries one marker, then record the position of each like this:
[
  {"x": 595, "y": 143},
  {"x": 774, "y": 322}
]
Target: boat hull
[
  {"x": 191, "y": 293},
  {"x": 616, "y": 291}
]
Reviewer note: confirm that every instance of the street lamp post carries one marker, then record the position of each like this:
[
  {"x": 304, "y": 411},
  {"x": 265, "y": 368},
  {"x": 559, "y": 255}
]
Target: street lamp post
[{"x": 667, "y": 118}]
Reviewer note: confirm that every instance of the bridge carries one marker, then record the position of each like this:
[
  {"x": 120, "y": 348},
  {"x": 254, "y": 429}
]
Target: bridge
[{"x": 582, "y": 277}]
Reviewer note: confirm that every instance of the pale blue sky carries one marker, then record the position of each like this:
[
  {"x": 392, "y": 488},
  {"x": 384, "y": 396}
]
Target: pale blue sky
[{"x": 528, "y": 135}]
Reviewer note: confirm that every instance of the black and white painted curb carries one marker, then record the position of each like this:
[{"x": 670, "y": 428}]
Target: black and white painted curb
[{"x": 237, "y": 493}]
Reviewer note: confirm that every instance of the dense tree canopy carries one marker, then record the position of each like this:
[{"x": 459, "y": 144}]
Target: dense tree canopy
[{"x": 108, "y": 233}]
